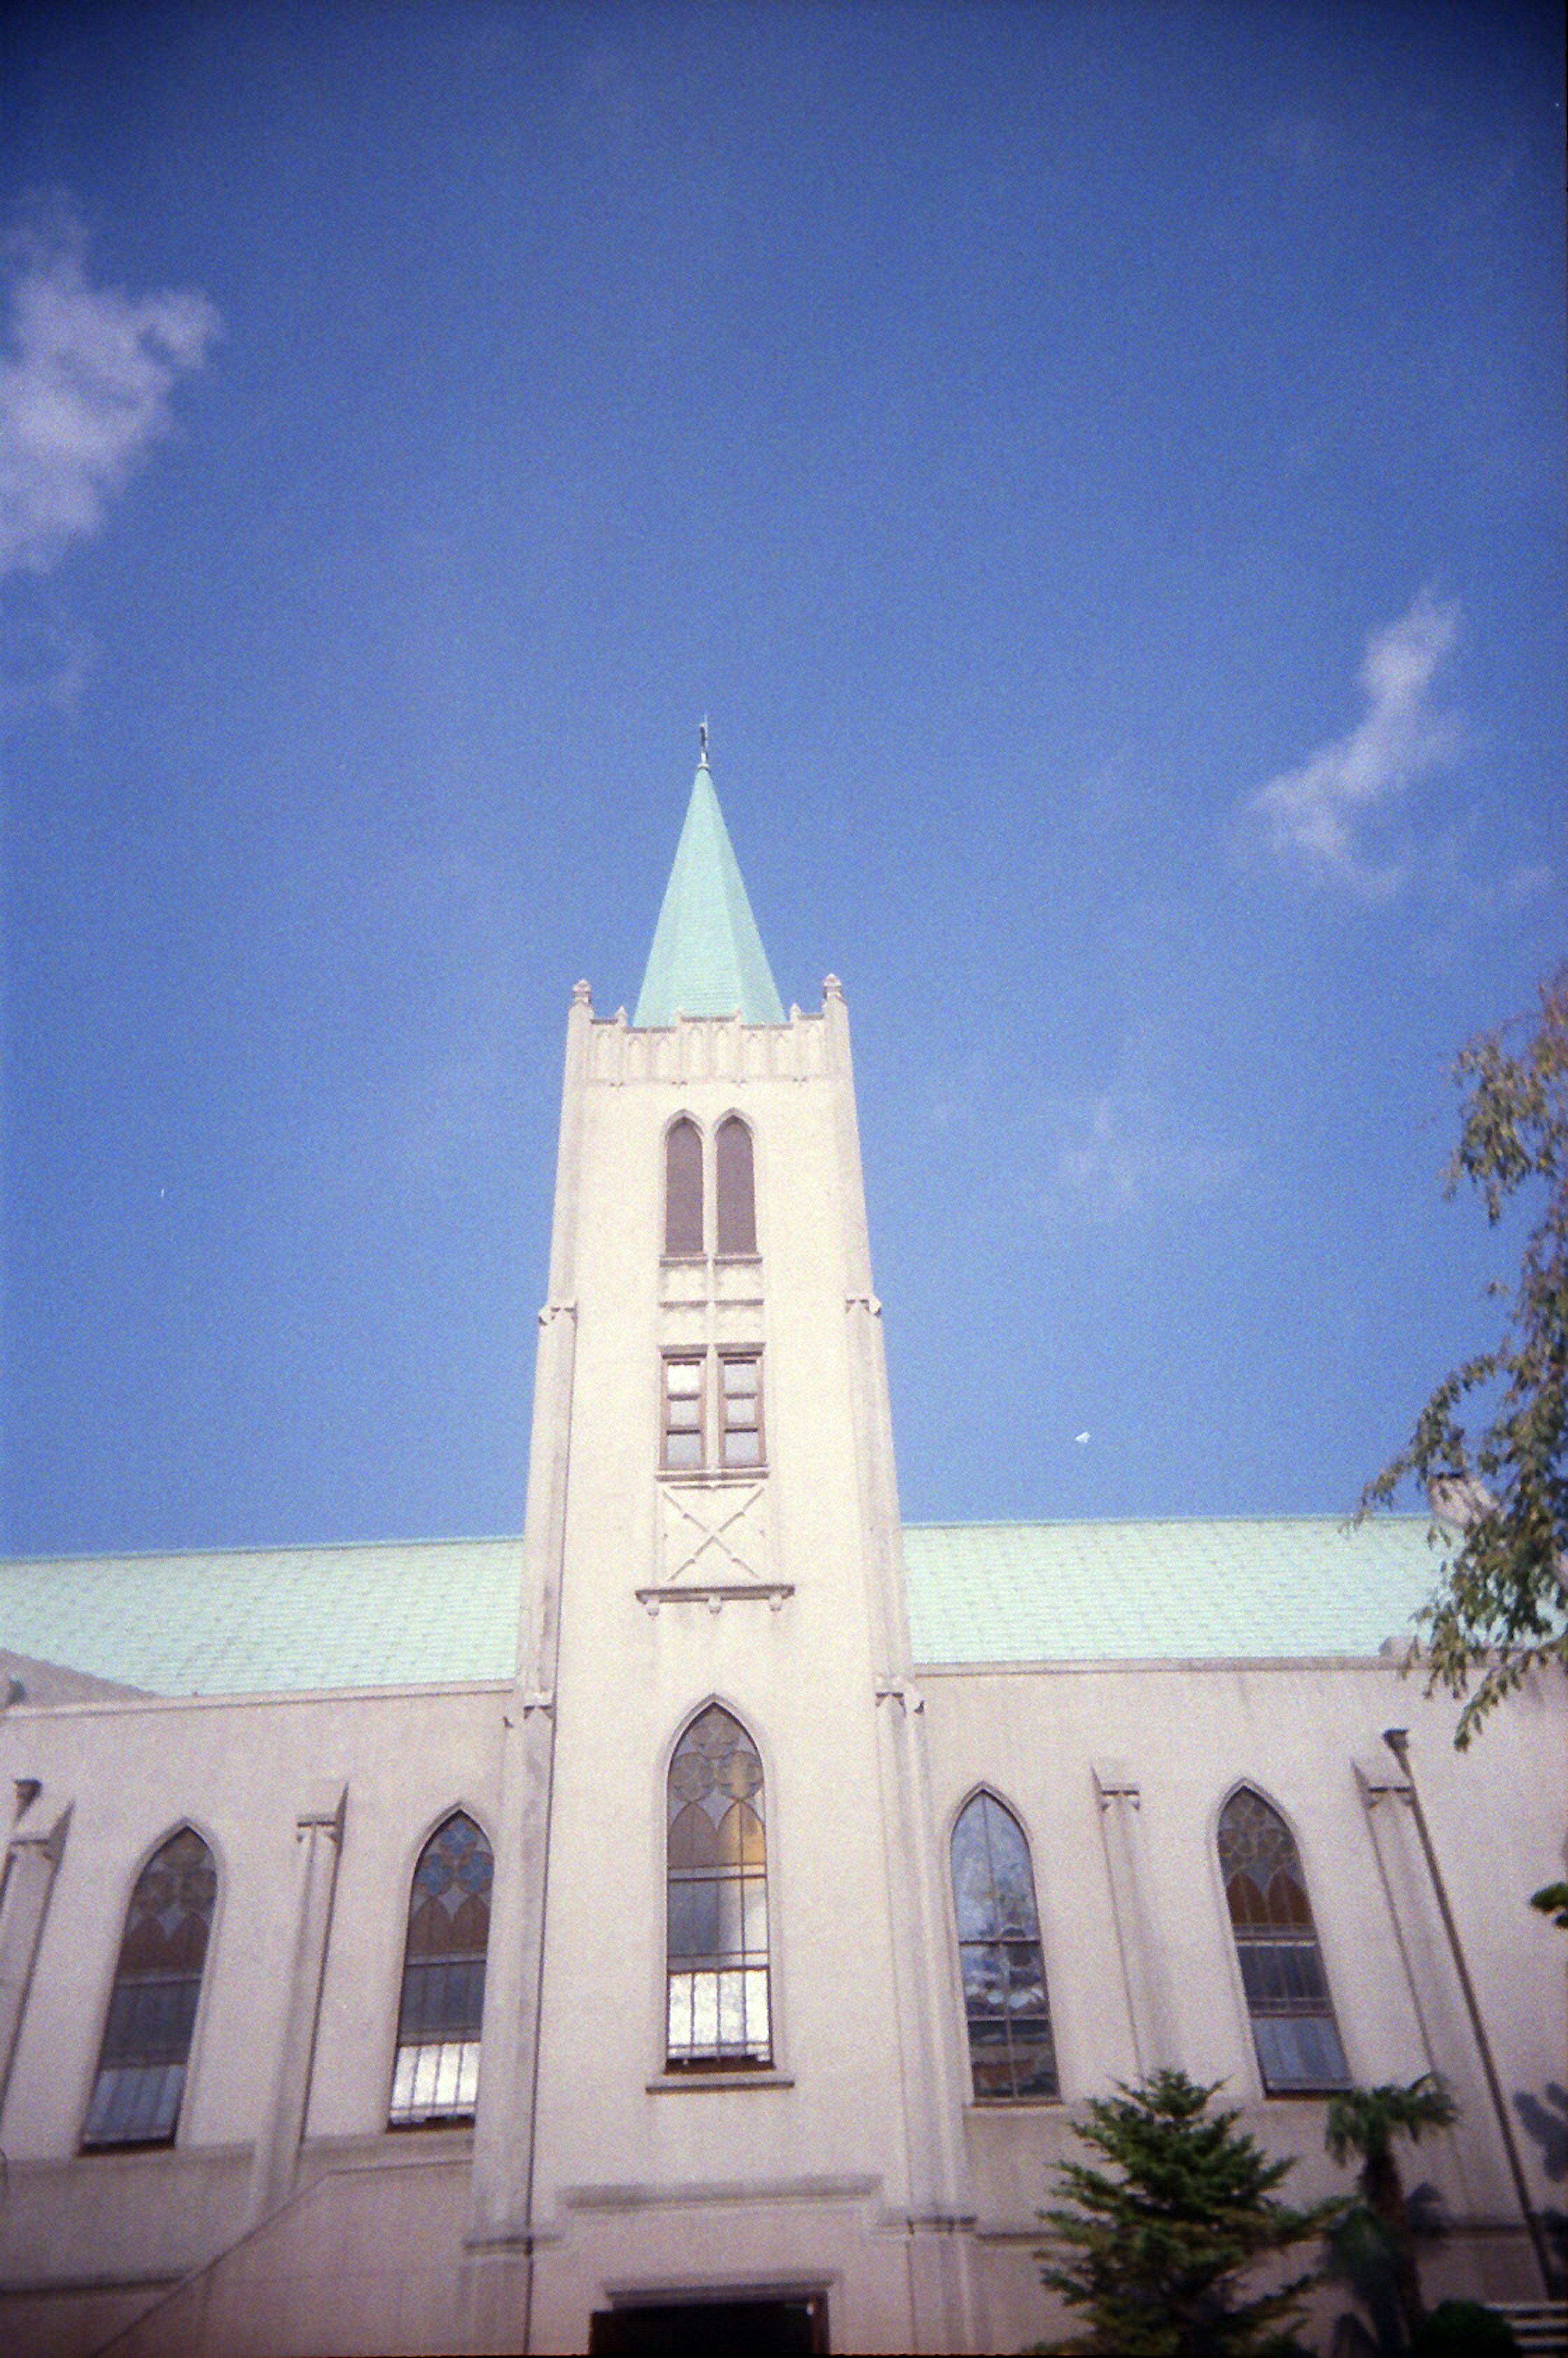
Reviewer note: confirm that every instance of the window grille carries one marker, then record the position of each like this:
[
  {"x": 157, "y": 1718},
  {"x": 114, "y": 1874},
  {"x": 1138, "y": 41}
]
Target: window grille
[
  {"x": 142, "y": 2065},
  {"x": 1011, "y": 2051},
  {"x": 1281, "y": 1968},
  {"x": 435, "y": 2075},
  {"x": 717, "y": 1954}
]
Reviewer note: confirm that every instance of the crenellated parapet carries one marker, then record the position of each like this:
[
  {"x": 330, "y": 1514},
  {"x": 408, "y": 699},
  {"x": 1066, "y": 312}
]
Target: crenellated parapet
[{"x": 708, "y": 1048}]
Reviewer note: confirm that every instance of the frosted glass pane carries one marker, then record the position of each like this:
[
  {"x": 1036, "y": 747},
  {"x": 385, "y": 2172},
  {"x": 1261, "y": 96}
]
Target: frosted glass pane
[
  {"x": 680, "y": 2014},
  {"x": 1299, "y": 2052},
  {"x": 732, "y": 2009}
]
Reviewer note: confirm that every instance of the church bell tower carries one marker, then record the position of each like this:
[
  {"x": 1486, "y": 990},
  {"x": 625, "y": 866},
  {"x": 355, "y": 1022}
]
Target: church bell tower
[{"x": 721, "y": 2060}]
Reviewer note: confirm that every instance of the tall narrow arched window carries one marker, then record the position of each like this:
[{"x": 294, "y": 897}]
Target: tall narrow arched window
[
  {"x": 152, "y": 2011},
  {"x": 718, "y": 2012},
  {"x": 683, "y": 1188},
  {"x": 1011, "y": 2051},
  {"x": 435, "y": 2076},
  {"x": 1282, "y": 1969},
  {"x": 735, "y": 1188}
]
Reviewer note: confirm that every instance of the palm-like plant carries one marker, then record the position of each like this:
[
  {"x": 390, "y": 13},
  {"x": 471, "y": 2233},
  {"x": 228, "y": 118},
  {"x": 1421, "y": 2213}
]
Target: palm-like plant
[{"x": 1365, "y": 2122}]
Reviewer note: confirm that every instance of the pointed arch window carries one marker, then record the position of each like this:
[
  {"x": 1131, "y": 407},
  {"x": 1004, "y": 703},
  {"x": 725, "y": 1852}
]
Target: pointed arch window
[
  {"x": 435, "y": 2075},
  {"x": 1011, "y": 2051},
  {"x": 717, "y": 2014},
  {"x": 142, "y": 2065},
  {"x": 683, "y": 1189},
  {"x": 1281, "y": 1968},
  {"x": 734, "y": 1185}
]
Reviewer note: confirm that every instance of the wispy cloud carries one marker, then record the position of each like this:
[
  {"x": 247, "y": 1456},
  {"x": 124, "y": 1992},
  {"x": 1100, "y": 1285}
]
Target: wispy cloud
[
  {"x": 1330, "y": 817},
  {"x": 86, "y": 381},
  {"x": 1128, "y": 1151}
]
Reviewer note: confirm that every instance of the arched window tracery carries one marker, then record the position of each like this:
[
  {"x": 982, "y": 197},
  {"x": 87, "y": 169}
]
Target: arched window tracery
[
  {"x": 1276, "y": 1945},
  {"x": 1012, "y": 2050},
  {"x": 734, "y": 1187},
  {"x": 435, "y": 2074},
  {"x": 717, "y": 2014},
  {"x": 683, "y": 1189},
  {"x": 140, "y": 2082}
]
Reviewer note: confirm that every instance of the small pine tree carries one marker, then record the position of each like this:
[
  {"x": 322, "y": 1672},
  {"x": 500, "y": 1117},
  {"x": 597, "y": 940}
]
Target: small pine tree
[{"x": 1155, "y": 2258}]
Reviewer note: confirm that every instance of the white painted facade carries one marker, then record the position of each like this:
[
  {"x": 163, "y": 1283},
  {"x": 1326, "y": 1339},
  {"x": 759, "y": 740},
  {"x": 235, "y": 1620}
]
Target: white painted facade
[{"x": 853, "y": 2168}]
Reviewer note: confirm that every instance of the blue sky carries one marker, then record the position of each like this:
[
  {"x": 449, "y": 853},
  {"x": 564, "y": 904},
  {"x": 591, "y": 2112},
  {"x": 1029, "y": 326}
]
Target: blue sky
[{"x": 1099, "y": 469}]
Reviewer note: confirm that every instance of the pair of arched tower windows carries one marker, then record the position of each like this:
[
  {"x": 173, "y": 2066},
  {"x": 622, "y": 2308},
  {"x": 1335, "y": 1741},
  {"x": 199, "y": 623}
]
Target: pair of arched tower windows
[
  {"x": 1011, "y": 2051},
  {"x": 734, "y": 1191}
]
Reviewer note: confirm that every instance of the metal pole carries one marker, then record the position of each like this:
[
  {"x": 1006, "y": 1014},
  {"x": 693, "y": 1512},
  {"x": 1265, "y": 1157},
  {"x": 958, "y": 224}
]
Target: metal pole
[{"x": 1399, "y": 1743}]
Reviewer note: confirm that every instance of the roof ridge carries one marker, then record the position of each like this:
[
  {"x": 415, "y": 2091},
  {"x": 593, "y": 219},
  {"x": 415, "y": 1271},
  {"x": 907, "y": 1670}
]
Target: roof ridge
[{"x": 259, "y": 1547}]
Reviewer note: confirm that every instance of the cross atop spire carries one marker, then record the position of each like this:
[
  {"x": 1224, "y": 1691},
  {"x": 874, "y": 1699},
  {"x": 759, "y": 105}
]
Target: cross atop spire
[{"x": 708, "y": 957}]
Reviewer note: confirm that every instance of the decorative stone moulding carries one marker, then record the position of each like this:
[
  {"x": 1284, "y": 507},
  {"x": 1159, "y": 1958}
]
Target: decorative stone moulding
[
  {"x": 713, "y": 1531},
  {"x": 716, "y": 1594},
  {"x": 708, "y": 1047}
]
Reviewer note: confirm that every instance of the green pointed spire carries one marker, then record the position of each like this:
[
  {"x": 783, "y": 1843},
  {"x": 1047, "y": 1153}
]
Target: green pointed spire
[{"x": 708, "y": 957}]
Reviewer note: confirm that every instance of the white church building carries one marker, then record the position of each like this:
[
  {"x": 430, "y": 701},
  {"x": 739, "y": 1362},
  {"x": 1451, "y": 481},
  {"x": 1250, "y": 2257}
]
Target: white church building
[{"x": 692, "y": 1925}]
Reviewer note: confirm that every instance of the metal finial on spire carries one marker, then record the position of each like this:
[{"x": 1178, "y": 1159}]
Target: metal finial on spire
[{"x": 702, "y": 740}]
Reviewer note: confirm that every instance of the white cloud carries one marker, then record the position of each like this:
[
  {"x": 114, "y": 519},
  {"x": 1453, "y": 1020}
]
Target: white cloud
[
  {"x": 84, "y": 392},
  {"x": 1128, "y": 1151},
  {"x": 1330, "y": 816}
]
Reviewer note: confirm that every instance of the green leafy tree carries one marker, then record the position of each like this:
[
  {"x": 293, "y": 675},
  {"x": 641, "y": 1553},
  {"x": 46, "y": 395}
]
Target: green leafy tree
[
  {"x": 1489, "y": 1445},
  {"x": 1155, "y": 2256},
  {"x": 1365, "y": 2122}
]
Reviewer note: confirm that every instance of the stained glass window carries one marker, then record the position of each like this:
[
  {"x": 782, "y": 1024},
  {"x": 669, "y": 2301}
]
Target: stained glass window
[
  {"x": 1011, "y": 2051},
  {"x": 734, "y": 1187},
  {"x": 718, "y": 2012},
  {"x": 435, "y": 2075},
  {"x": 136, "y": 2095},
  {"x": 683, "y": 1188},
  {"x": 1281, "y": 1968}
]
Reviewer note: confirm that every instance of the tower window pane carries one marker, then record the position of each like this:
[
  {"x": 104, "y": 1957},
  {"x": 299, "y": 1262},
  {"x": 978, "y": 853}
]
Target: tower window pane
[
  {"x": 735, "y": 1188},
  {"x": 740, "y": 1403},
  {"x": 683, "y": 1412},
  {"x": 683, "y": 1189},
  {"x": 717, "y": 2009},
  {"x": 1292, "y": 2021}
]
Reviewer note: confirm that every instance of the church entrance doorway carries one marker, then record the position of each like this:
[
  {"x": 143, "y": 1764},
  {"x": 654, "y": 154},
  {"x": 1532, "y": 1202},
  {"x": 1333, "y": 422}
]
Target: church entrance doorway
[{"x": 712, "y": 2328}]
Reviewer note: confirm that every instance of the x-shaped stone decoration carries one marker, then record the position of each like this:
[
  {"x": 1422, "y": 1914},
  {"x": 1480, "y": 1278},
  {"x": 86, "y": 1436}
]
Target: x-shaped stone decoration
[{"x": 698, "y": 1521}]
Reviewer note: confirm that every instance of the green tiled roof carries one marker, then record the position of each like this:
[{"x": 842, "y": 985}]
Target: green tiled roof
[
  {"x": 273, "y": 1620},
  {"x": 1189, "y": 1590},
  {"x": 281, "y": 1620},
  {"x": 708, "y": 957}
]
